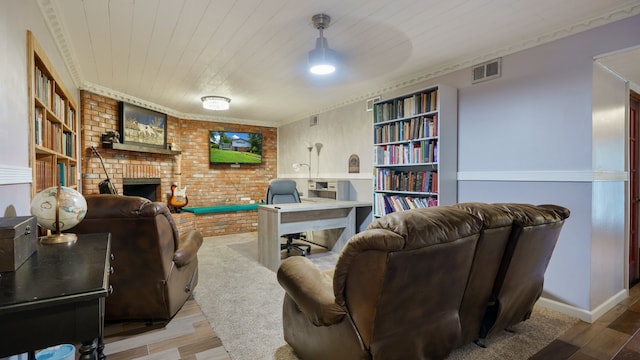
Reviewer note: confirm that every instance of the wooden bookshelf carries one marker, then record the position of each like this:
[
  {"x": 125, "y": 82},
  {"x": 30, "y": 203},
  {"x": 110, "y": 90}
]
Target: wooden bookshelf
[
  {"x": 53, "y": 124},
  {"x": 415, "y": 150}
]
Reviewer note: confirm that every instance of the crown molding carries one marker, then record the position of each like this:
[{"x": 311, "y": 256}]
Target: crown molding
[
  {"x": 116, "y": 95},
  {"x": 60, "y": 35},
  {"x": 50, "y": 13}
]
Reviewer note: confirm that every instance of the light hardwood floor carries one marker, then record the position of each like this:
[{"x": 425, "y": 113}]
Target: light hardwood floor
[{"x": 188, "y": 336}]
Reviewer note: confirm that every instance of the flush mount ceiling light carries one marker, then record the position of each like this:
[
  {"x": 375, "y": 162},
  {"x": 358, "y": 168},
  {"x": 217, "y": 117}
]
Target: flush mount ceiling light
[
  {"x": 215, "y": 102},
  {"x": 322, "y": 60}
]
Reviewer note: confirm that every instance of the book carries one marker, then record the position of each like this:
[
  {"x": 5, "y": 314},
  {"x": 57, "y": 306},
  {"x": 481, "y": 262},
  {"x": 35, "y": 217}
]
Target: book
[
  {"x": 62, "y": 174},
  {"x": 38, "y": 126}
]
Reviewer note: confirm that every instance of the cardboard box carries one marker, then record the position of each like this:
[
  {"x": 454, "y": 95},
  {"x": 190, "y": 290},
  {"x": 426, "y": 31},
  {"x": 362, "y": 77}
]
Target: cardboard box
[{"x": 17, "y": 241}]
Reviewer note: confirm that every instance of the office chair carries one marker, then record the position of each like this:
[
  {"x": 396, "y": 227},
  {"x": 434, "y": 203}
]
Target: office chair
[{"x": 283, "y": 191}]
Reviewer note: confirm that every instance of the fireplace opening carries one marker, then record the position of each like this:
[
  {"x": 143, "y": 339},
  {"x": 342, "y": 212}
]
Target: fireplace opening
[{"x": 144, "y": 187}]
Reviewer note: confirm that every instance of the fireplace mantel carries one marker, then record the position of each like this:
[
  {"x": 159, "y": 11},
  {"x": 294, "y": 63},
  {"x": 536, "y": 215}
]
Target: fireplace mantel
[{"x": 139, "y": 148}]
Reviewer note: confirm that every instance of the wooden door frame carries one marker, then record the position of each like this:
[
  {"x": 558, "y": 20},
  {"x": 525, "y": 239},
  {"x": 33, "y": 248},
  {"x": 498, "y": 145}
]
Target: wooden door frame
[{"x": 633, "y": 260}]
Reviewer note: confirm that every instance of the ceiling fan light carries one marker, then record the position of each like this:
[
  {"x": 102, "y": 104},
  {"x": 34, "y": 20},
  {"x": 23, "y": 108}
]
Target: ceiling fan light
[
  {"x": 215, "y": 102},
  {"x": 322, "y": 60}
]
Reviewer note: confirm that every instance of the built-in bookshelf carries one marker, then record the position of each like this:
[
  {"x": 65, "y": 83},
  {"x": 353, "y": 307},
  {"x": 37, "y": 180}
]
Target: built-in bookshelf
[
  {"x": 415, "y": 150},
  {"x": 53, "y": 124}
]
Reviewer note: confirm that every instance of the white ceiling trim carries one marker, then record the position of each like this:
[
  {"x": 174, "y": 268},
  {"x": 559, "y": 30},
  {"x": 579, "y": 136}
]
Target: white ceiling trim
[
  {"x": 50, "y": 13},
  {"x": 60, "y": 36},
  {"x": 116, "y": 95}
]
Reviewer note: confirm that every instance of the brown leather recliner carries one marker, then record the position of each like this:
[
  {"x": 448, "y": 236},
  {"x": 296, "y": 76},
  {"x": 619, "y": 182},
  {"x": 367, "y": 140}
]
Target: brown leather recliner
[
  {"x": 496, "y": 230},
  {"x": 395, "y": 292},
  {"x": 418, "y": 284},
  {"x": 155, "y": 268},
  {"x": 520, "y": 280}
]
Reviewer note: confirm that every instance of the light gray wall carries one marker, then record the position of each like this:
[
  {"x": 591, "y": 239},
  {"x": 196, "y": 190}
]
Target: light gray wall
[
  {"x": 16, "y": 17},
  {"x": 527, "y": 137},
  {"x": 342, "y": 132}
]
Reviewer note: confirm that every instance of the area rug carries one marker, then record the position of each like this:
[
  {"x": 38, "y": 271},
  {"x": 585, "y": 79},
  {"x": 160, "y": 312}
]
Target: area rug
[{"x": 243, "y": 302}]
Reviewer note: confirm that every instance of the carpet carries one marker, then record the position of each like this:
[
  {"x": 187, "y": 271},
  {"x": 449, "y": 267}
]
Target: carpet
[{"x": 243, "y": 302}]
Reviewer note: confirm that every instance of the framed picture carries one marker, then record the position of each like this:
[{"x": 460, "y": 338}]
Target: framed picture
[{"x": 142, "y": 126}]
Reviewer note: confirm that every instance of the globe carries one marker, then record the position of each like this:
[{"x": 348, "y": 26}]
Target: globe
[{"x": 67, "y": 202}]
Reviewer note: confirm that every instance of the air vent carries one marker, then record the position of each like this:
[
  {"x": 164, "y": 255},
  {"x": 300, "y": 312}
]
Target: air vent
[
  {"x": 486, "y": 71},
  {"x": 371, "y": 101}
]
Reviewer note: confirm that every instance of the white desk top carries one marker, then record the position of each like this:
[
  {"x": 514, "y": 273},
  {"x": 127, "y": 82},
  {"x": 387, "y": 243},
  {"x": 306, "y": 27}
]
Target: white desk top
[{"x": 306, "y": 205}]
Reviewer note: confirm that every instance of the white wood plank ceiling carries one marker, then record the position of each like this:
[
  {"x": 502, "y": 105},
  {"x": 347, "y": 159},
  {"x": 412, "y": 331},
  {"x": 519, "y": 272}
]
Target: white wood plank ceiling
[{"x": 167, "y": 54}]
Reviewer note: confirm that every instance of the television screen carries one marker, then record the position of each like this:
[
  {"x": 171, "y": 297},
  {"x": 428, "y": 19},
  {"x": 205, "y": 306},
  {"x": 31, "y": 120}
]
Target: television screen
[{"x": 234, "y": 147}]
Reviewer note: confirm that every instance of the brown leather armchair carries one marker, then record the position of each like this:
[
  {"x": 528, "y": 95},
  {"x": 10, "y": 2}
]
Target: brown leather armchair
[
  {"x": 395, "y": 293},
  {"x": 155, "y": 268}
]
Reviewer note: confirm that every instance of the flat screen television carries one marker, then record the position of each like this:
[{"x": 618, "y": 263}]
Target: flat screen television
[{"x": 235, "y": 147}]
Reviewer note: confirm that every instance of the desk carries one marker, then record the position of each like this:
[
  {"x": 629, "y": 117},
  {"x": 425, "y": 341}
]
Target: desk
[
  {"x": 57, "y": 296},
  {"x": 281, "y": 219}
]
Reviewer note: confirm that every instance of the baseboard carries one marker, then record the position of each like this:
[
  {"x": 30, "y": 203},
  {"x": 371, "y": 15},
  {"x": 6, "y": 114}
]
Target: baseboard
[{"x": 582, "y": 314}]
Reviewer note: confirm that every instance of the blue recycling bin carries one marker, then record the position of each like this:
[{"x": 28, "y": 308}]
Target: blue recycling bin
[{"x": 59, "y": 352}]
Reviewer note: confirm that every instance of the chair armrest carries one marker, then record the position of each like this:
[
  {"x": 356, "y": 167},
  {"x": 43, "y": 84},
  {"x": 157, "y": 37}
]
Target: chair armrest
[
  {"x": 188, "y": 245},
  {"x": 311, "y": 290}
]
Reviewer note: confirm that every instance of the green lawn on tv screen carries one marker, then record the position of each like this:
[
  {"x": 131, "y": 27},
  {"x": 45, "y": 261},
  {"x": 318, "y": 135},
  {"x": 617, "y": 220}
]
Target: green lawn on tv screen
[{"x": 228, "y": 156}]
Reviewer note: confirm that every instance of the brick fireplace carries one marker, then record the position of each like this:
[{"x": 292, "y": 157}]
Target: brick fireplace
[
  {"x": 146, "y": 170},
  {"x": 146, "y": 187},
  {"x": 142, "y": 180},
  {"x": 146, "y": 173}
]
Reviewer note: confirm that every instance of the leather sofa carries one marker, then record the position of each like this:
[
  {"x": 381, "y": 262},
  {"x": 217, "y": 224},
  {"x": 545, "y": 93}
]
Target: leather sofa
[
  {"x": 155, "y": 269},
  {"x": 418, "y": 284}
]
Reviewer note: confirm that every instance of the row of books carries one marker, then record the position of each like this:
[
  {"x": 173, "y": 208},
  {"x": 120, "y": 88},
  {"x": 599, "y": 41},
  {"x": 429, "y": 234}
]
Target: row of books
[
  {"x": 419, "y": 152},
  {"x": 386, "y": 204},
  {"x": 44, "y": 88},
  {"x": 58, "y": 106},
  {"x": 412, "y": 181},
  {"x": 66, "y": 174},
  {"x": 68, "y": 144},
  {"x": 404, "y": 107},
  {"x": 44, "y": 175},
  {"x": 52, "y": 136},
  {"x": 414, "y": 128}
]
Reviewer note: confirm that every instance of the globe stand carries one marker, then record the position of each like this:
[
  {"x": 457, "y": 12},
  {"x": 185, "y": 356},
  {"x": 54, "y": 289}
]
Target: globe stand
[{"x": 58, "y": 237}]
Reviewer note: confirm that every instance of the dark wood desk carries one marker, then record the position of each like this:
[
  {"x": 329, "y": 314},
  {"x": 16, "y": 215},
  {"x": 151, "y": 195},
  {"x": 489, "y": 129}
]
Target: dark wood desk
[{"x": 57, "y": 296}]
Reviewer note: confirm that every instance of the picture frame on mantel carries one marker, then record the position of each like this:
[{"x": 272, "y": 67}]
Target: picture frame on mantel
[{"x": 141, "y": 126}]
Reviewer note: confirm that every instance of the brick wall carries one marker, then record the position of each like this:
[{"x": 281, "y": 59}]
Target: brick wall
[{"x": 207, "y": 184}]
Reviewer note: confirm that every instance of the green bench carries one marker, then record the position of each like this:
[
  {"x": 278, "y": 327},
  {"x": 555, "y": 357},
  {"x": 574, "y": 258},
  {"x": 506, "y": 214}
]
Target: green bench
[{"x": 221, "y": 208}]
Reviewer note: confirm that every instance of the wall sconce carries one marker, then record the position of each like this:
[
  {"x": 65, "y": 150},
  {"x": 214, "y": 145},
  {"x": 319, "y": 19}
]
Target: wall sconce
[
  {"x": 297, "y": 166},
  {"x": 215, "y": 102}
]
